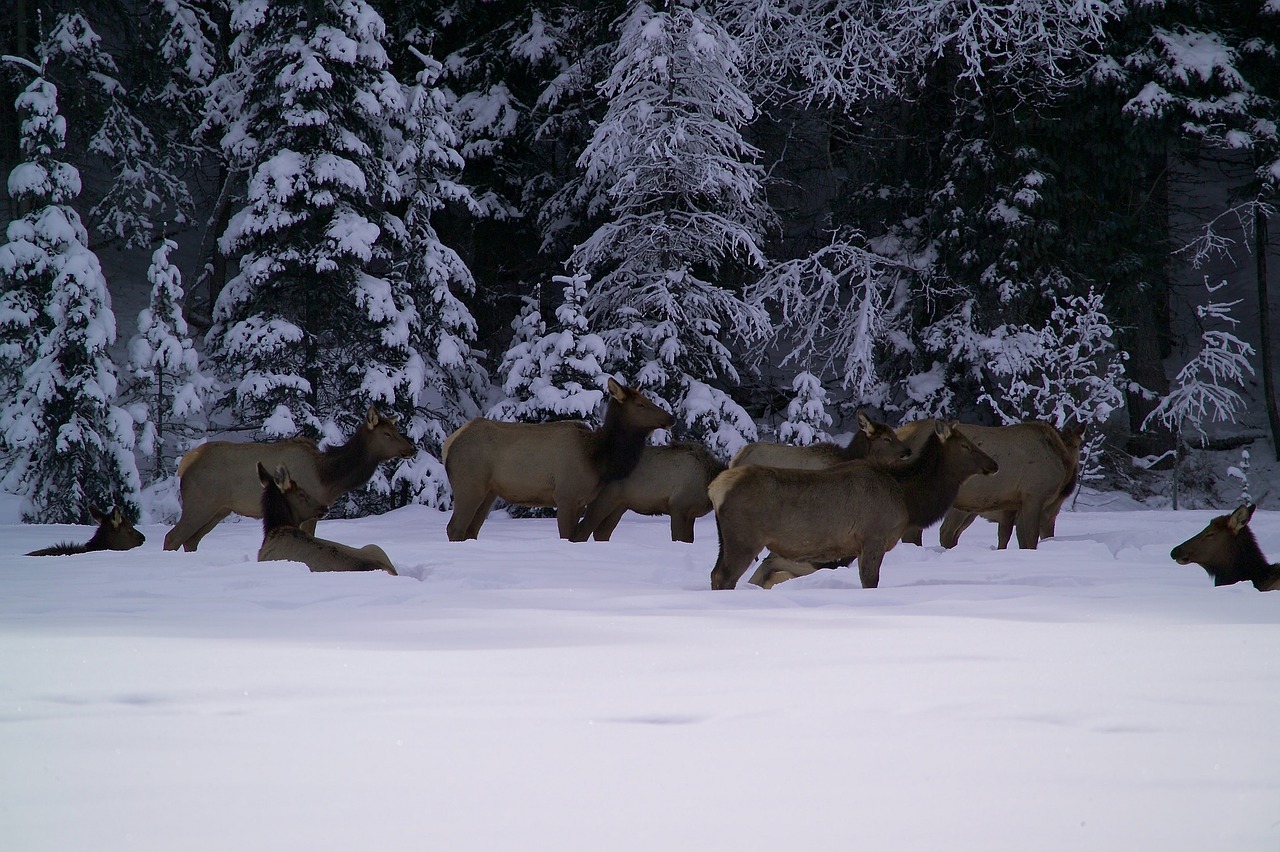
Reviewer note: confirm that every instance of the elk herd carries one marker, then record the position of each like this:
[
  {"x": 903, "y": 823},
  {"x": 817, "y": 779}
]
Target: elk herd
[{"x": 813, "y": 507}]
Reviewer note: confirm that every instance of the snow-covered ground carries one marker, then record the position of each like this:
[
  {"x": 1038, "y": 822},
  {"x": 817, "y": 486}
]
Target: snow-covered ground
[{"x": 519, "y": 692}]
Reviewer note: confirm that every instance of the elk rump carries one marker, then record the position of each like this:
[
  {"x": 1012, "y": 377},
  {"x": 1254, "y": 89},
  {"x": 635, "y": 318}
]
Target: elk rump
[{"x": 873, "y": 441}]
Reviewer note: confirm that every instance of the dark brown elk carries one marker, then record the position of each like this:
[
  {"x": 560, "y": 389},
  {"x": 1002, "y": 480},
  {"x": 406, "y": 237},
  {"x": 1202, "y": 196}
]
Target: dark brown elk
[
  {"x": 115, "y": 532},
  {"x": 219, "y": 477},
  {"x": 829, "y": 517},
  {"x": 1038, "y": 469},
  {"x": 562, "y": 464},
  {"x": 1227, "y": 550},
  {"x": 873, "y": 441},
  {"x": 285, "y": 507},
  {"x": 668, "y": 480}
]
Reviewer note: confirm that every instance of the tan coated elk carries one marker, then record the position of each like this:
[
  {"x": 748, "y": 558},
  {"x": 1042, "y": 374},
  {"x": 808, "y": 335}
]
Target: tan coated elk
[
  {"x": 669, "y": 480},
  {"x": 873, "y": 441},
  {"x": 219, "y": 477},
  {"x": 285, "y": 506},
  {"x": 829, "y": 517},
  {"x": 562, "y": 464},
  {"x": 114, "y": 532},
  {"x": 1228, "y": 551},
  {"x": 1039, "y": 466}
]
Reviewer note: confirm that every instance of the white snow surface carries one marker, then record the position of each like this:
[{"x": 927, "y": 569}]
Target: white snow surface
[{"x": 519, "y": 692}]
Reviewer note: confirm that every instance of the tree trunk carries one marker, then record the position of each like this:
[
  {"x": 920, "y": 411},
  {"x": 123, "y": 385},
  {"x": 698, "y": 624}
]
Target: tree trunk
[{"x": 1260, "y": 241}]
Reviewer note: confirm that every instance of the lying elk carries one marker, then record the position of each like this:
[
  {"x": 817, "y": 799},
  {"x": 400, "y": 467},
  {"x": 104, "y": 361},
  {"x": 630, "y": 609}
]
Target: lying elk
[
  {"x": 1228, "y": 551},
  {"x": 1039, "y": 466},
  {"x": 873, "y": 441},
  {"x": 562, "y": 464},
  {"x": 115, "y": 532},
  {"x": 668, "y": 480},
  {"x": 285, "y": 506},
  {"x": 827, "y": 518},
  {"x": 217, "y": 478}
]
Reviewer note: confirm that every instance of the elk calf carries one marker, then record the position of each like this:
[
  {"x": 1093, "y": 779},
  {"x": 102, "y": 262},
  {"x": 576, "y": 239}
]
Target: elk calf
[
  {"x": 1227, "y": 550},
  {"x": 669, "y": 480},
  {"x": 217, "y": 478},
  {"x": 562, "y": 464},
  {"x": 285, "y": 507},
  {"x": 873, "y": 441},
  {"x": 115, "y": 532},
  {"x": 829, "y": 517}
]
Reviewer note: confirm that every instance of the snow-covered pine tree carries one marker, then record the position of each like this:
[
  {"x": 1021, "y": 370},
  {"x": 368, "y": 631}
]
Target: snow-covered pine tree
[
  {"x": 668, "y": 172},
  {"x": 554, "y": 373},
  {"x": 807, "y": 417},
  {"x": 1204, "y": 389},
  {"x": 72, "y": 446},
  {"x": 164, "y": 368},
  {"x": 311, "y": 330},
  {"x": 440, "y": 385}
]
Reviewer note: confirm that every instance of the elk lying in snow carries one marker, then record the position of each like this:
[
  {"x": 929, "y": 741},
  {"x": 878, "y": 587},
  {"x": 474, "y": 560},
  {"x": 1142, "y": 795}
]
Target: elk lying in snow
[
  {"x": 1039, "y": 466},
  {"x": 873, "y": 441},
  {"x": 668, "y": 480},
  {"x": 218, "y": 478},
  {"x": 562, "y": 464},
  {"x": 115, "y": 532},
  {"x": 285, "y": 507},
  {"x": 829, "y": 517},
  {"x": 1228, "y": 551}
]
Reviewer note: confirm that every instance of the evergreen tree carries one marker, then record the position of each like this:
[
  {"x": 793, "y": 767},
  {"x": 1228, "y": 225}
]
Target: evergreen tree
[
  {"x": 668, "y": 172},
  {"x": 71, "y": 445},
  {"x": 165, "y": 368},
  {"x": 554, "y": 374},
  {"x": 312, "y": 329},
  {"x": 807, "y": 417}
]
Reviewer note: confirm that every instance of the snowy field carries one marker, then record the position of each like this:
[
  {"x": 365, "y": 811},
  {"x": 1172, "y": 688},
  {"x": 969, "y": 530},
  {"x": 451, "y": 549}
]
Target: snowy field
[{"x": 520, "y": 693}]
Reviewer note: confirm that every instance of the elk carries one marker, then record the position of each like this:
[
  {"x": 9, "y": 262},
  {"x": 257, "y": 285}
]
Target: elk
[
  {"x": 829, "y": 517},
  {"x": 115, "y": 532},
  {"x": 562, "y": 464},
  {"x": 1227, "y": 550},
  {"x": 217, "y": 478},
  {"x": 285, "y": 506},
  {"x": 873, "y": 441},
  {"x": 1039, "y": 466},
  {"x": 669, "y": 480}
]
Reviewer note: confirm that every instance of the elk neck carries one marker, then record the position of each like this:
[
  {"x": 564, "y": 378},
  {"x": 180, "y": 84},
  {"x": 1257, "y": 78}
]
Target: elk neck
[{"x": 617, "y": 445}]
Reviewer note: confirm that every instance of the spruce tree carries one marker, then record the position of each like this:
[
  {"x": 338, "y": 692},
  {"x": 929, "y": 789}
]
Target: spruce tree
[
  {"x": 71, "y": 444},
  {"x": 807, "y": 417},
  {"x": 312, "y": 329}
]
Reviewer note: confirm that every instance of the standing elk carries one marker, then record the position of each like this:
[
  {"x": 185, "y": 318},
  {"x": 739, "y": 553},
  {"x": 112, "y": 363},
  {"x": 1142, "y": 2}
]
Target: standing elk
[
  {"x": 562, "y": 464},
  {"x": 829, "y": 517},
  {"x": 115, "y": 532},
  {"x": 873, "y": 441},
  {"x": 218, "y": 478},
  {"x": 285, "y": 506},
  {"x": 1039, "y": 466},
  {"x": 669, "y": 480},
  {"x": 1227, "y": 550}
]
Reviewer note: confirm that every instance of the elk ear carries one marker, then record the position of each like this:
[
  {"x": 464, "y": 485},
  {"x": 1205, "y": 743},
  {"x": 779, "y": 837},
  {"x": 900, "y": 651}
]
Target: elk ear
[
  {"x": 617, "y": 391},
  {"x": 283, "y": 479},
  {"x": 117, "y": 516},
  {"x": 1240, "y": 518},
  {"x": 96, "y": 514},
  {"x": 371, "y": 418},
  {"x": 943, "y": 428},
  {"x": 263, "y": 476},
  {"x": 865, "y": 423}
]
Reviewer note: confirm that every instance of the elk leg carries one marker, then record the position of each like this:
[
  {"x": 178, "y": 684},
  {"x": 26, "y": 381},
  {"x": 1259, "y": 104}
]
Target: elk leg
[
  {"x": 609, "y": 524},
  {"x": 732, "y": 561},
  {"x": 682, "y": 526},
  {"x": 470, "y": 508},
  {"x": 194, "y": 541},
  {"x": 869, "y": 565},
  {"x": 182, "y": 531},
  {"x": 481, "y": 513},
  {"x": 598, "y": 512},
  {"x": 912, "y": 535},
  {"x": 775, "y": 569},
  {"x": 1029, "y": 524},
  {"x": 955, "y": 522},
  {"x": 567, "y": 518},
  {"x": 1006, "y": 521}
]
